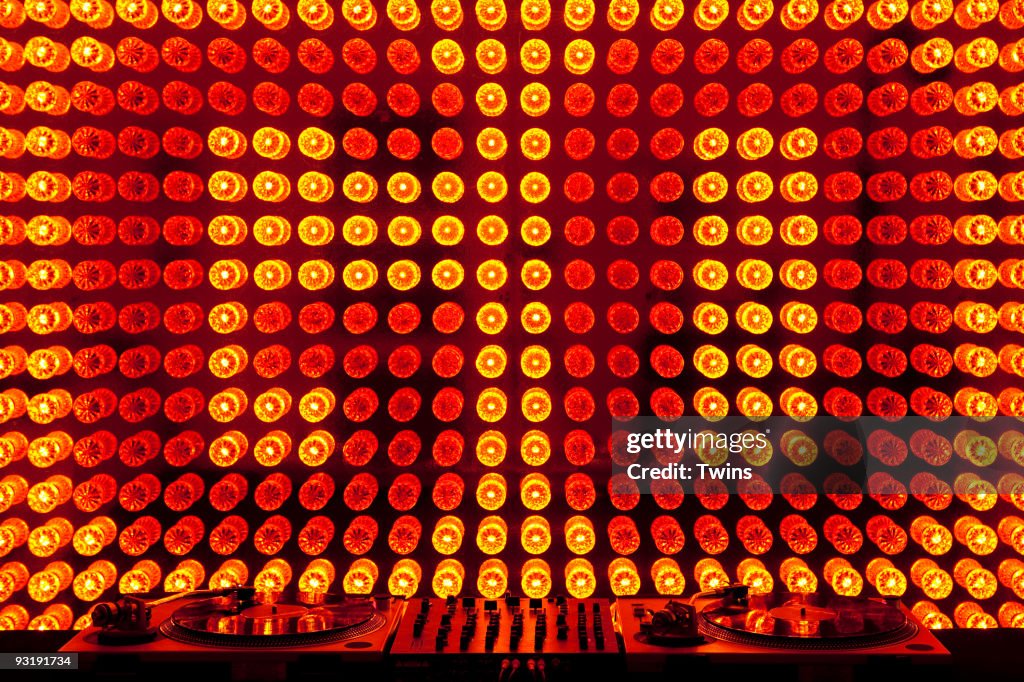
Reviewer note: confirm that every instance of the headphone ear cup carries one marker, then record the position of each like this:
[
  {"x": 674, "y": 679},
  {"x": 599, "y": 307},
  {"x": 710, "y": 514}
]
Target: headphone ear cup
[{"x": 663, "y": 619}]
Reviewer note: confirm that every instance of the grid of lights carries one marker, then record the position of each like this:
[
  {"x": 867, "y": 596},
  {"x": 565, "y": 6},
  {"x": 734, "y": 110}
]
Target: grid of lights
[{"x": 283, "y": 282}]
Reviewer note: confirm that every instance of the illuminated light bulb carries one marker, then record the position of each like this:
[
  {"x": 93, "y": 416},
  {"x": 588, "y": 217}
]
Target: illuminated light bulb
[
  {"x": 228, "y": 535},
  {"x": 13, "y": 577},
  {"x": 798, "y": 534},
  {"x": 535, "y": 362},
  {"x": 318, "y": 230},
  {"x": 887, "y": 579},
  {"x": 13, "y": 617},
  {"x": 491, "y": 56},
  {"x": 710, "y": 575},
  {"x": 534, "y": 56},
  {"x": 448, "y": 535},
  {"x": 45, "y": 540},
  {"x": 447, "y": 56},
  {"x": 187, "y": 576},
  {"x": 579, "y": 14},
  {"x": 536, "y": 405},
  {"x": 710, "y": 274},
  {"x": 579, "y": 56},
  {"x": 933, "y": 581},
  {"x": 14, "y": 490},
  {"x": 405, "y": 535},
  {"x": 90, "y": 539},
  {"x": 448, "y": 187},
  {"x": 492, "y": 187},
  {"x": 843, "y": 534},
  {"x": 534, "y": 187},
  {"x": 1011, "y": 615},
  {"x": 710, "y": 361},
  {"x": 492, "y": 535},
  {"x": 403, "y": 230},
  {"x": 448, "y": 230},
  {"x": 535, "y": 491},
  {"x": 55, "y": 617},
  {"x": 710, "y": 534},
  {"x": 360, "y": 14},
  {"x": 535, "y": 535},
  {"x": 580, "y": 580},
  {"x": 405, "y": 578},
  {"x": 980, "y": 494},
  {"x": 46, "y": 496},
  {"x": 491, "y": 100},
  {"x": 980, "y": 539},
  {"x": 970, "y": 615},
  {"x": 491, "y": 405},
  {"x": 404, "y": 187},
  {"x": 797, "y": 576},
  {"x": 447, "y": 14},
  {"x": 360, "y": 578},
  {"x": 232, "y": 573},
  {"x": 404, "y": 14},
  {"x": 754, "y": 534},
  {"x": 710, "y": 403},
  {"x": 623, "y": 577},
  {"x": 979, "y": 582},
  {"x": 1011, "y": 575},
  {"x": 448, "y": 578},
  {"x": 91, "y": 583},
  {"x": 752, "y": 573},
  {"x": 886, "y": 535},
  {"x": 275, "y": 575},
  {"x": 358, "y": 538},
  {"x": 403, "y": 275},
  {"x": 1011, "y": 532},
  {"x": 360, "y": 492},
  {"x": 754, "y": 361},
  {"x": 930, "y": 616},
  {"x": 269, "y": 407},
  {"x": 183, "y": 536},
  {"x": 228, "y": 448},
  {"x": 492, "y": 580},
  {"x": 845, "y": 580},
  {"x": 536, "y": 578},
  {"x": 491, "y": 361}
]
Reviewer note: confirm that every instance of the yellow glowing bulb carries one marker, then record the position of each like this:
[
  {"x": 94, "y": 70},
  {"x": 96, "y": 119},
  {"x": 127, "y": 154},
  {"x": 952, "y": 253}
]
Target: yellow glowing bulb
[
  {"x": 404, "y": 231},
  {"x": 491, "y": 361}
]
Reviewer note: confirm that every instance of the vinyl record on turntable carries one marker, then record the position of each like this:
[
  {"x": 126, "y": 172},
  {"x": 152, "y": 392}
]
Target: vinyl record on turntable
[
  {"x": 807, "y": 621},
  {"x": 246, "y": 618}
]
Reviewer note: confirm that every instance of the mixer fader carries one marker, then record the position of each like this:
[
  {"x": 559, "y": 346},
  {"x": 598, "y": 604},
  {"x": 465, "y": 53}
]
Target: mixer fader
[{"x": 506, "y": 626}]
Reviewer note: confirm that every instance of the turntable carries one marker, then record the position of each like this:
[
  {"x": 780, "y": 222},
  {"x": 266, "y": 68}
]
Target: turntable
[
  {"x": 257, "y": 634},
  {"x": 806, "y": 630}
]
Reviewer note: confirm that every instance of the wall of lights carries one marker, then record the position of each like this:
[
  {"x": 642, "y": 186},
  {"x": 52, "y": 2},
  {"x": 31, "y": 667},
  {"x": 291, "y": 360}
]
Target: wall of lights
[{"x": 345, "y": 295}]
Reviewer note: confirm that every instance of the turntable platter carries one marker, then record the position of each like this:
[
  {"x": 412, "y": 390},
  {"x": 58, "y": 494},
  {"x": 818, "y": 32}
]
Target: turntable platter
[
  {"x": 807, "y": 621},
  {"x": 246, "y": 618}
]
